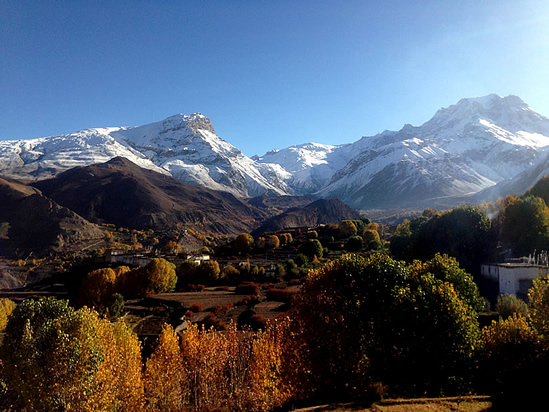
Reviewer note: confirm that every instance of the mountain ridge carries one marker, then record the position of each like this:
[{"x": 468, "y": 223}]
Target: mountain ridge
[
  {"x": 460, "y": 153},
  {"x": 128, "y": 195}
]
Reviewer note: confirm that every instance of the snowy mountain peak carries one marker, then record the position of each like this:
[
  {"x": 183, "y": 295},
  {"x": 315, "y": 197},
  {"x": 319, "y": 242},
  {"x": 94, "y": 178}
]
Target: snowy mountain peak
[
  {"x": 509, "y": 113},
  {"x": 194, "y": 121}
]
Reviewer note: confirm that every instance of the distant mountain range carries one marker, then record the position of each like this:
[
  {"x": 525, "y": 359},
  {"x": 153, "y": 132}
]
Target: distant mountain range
[{"x": 473, "y": 151}]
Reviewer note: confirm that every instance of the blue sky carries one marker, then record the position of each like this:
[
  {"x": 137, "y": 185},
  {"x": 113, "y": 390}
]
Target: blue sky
[{"x": 269, "y": 74}]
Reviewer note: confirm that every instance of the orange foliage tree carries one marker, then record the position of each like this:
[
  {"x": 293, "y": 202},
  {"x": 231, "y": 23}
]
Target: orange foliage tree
[{"x": 207, "y": 370}]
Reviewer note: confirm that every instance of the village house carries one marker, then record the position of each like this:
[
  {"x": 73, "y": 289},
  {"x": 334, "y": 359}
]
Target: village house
[{"x": 516, "y": 278}]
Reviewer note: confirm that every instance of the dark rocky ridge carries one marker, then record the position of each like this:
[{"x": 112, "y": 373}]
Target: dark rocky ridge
[
  {"x": 124, "y": 194},
  {"x": 322, "y": 211},
  {"x": 31, "y": 222}
]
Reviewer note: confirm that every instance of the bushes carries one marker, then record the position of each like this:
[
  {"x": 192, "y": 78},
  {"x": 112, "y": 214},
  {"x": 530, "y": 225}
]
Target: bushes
[
  {"x": 507, "y": 305},
  {"x": 281, "y": 295},
  {"x": 196, "y": 307}
]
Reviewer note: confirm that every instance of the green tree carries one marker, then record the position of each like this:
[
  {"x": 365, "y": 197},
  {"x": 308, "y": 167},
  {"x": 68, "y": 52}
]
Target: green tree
[
  {"x": 525, "y": 225},
  {"x": 371, "y": 239},
  {"x": 540, "y": 189},
  {"x": 355, "y": 244},
  {"x": 512, "y": 361},
  {"x": 209, "y": 270},
  {"x": 447, "y": 269},
  {"x": 55, "y": 358},
  {"x": 538, "y": 297},
  {"x": 347, "y": 229},
  {"x": 230, "y": 273},
  {"x": 408, "y": 241},
  {"x": 464, "y": 233},
  {"x": 116, "y": 306},
  {"x": 311, "y": 248},
  {"x": 412, "y": 332},
  {"x": 187, "y": 272}
]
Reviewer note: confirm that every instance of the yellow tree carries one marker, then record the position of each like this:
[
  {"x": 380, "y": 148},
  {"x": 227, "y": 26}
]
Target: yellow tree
[
  {"x": 120, "y": 373},
  {"x": 268, "y": 387},
  {"x": 50, "y": 355},
  {"x": 205, "y": 355},
  {"x": 164, "y": 375},
  {"x": 244, "y": 243},
  {"x": 6, "y": 309},
  {"x": 159, "y": 276},
  {"x": 538, "y": 297},
  {"x": 55, "y": 358},
  {"x": 98, "y": 286}
]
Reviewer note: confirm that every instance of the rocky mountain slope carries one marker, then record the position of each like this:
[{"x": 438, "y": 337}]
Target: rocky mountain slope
[
  {"x": 322, "y": 211},
  {"x": 124, "y": 194},
  {"x": 32, "y": 222},
  {"x": 462, "y": 150},
  {"x": 467, "y": 152}
]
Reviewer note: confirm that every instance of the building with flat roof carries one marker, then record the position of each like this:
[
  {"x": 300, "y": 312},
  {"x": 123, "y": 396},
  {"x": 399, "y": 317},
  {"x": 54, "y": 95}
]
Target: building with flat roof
[{"x": 516, "y": 278}]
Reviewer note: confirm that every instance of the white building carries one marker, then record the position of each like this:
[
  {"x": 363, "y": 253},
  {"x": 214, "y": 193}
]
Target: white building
[{"x": 515, "y": 278}]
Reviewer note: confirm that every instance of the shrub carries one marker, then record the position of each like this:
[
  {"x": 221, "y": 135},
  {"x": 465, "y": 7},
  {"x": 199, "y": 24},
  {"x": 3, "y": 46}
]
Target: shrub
[
  {"x": 281, "y": 295},
  {"x": 247, "y": 301},
  {"x": 196, "y": 288},
  {"x": 220, "y": 310},
  {"x": 212, "y": 321},
  {"x": 196, "y": 307},
  {"x": 247, "y": 289},
  {"x": 117, "y": 305},
  {"x": 507, "y": 305}
]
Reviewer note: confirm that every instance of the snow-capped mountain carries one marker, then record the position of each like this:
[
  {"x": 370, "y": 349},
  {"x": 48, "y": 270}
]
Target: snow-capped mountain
[
  {"x": 478, "y": 146},
  {"x": 310, "y": 165},
  {"x": 462, "y": 150},
  {"x": 183, "y": 146}
]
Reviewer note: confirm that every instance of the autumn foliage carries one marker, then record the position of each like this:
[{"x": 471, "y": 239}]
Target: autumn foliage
[
  {"x": 54, "y": 357},
  {"x": 98, "y": 286},
  {"x": 358, "y": 328},
  {"x": 207, "y": 370}
]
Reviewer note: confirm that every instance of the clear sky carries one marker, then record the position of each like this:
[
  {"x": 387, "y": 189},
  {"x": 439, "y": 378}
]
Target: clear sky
[{"x": 269, "y": 74}]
